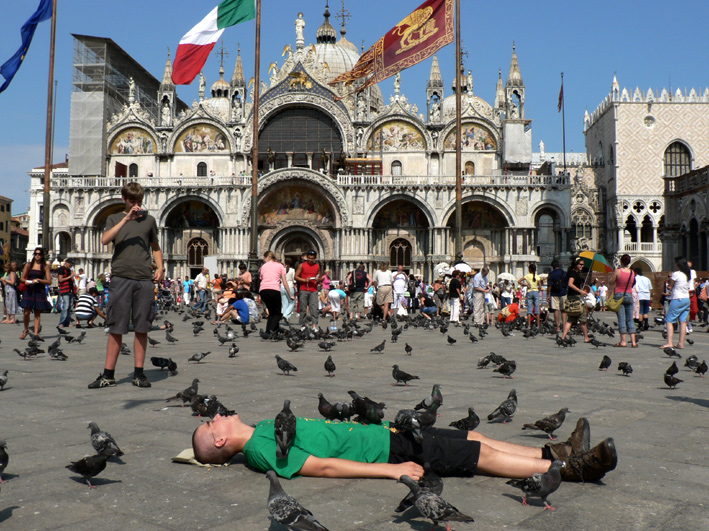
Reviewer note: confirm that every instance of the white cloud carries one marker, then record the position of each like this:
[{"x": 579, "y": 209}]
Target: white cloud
[{"x": 15, "y": 162}]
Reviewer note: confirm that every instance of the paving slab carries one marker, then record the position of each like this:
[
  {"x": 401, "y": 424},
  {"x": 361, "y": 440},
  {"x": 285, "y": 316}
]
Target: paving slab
[{"x": 660, "y": 434}]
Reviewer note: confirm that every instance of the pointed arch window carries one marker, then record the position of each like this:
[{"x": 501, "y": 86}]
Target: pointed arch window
[
  {"x": 400, "y": 253},
  {"x": 396, "y": 168},
  {"x": 678, "y": 160}
]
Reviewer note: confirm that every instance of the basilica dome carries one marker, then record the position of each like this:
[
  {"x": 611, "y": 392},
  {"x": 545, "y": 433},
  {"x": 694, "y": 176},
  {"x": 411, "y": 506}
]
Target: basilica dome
[{"x": 479, "y": 104}]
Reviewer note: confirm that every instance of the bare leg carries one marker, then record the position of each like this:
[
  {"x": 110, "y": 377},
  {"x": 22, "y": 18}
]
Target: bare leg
[
  {"x": 26, "y": 319},
  {"x": 139, "y": 345},
  {"x": 670, "y": 335},
  {"x": 112, "y": 349},
  {"x": 508, "y": 465},
  {"x": 37, "y": 318},
  {"x": 682, "y": 333},
  {"x": 584, "y": 329},
  {"x": 567, "y": 327},
  {"x": 508, "y": 448}
]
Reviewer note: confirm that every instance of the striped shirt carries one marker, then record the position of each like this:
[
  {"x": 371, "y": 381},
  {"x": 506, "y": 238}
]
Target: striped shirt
[{"x": 85, "y": 304}]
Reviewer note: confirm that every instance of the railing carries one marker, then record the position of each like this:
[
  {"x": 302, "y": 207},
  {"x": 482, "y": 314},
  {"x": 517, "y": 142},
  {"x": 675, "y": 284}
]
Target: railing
[
  {"x": 645, "y": 247},
  {"x": 149, "y": 182},
  {"x": 690, "y": 182},
  {"x": 449, "y": 180}
]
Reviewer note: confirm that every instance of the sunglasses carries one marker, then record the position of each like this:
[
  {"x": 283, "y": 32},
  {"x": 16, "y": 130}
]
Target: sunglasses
[{"x": 39, "y": 254}]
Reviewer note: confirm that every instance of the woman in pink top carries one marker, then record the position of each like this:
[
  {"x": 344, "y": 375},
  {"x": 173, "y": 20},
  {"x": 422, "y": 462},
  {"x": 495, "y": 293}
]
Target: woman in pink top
[
  {"x": 272, "y": 274},
  {"x": 624, "y": 280},
  {"x": 326, "y": 280}
]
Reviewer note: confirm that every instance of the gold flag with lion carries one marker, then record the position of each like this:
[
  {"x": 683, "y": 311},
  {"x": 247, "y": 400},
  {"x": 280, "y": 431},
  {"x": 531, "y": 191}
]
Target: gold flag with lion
[{"x": 421, "y": 34}]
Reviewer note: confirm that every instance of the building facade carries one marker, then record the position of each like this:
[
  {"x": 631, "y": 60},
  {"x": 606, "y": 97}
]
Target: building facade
[
  {"x": 635, "y": 142},
  {"x": 5, "y": 218},
  {"x": 355, "y": 177}
]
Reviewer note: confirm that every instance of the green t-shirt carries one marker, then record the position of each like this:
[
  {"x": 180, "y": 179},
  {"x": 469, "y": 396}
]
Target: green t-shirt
[
  {"x": 364, "y": 443},
  {"x": 132, "y": 255}
]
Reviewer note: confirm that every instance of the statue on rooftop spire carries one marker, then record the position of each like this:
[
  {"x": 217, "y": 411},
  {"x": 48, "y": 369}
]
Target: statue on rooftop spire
[{"x": 299, "y": 26}]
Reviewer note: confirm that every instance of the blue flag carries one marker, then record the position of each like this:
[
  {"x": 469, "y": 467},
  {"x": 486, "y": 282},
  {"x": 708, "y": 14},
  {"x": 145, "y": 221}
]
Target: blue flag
[{"x": 10, "y": 68}]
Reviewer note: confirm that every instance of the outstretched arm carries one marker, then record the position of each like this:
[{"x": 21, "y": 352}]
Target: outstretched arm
[{"x": 343, "y": 468}]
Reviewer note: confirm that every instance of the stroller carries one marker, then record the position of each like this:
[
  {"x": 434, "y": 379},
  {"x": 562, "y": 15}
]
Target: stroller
[{"x": 165, "y": 299}]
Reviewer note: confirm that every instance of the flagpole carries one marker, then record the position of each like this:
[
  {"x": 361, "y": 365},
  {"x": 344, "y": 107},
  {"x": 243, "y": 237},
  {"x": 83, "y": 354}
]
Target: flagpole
[
  {"x": 563, "y": 119},
  {"x": 46, "y": 237},
  {"x": 253, "y": 248},
  {"x": 458, "y": 176}
]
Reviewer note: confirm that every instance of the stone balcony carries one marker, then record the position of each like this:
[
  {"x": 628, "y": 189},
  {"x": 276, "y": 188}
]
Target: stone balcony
[
  {"x": 345, "y": 181},
  {"x": 643, "y": 247}
]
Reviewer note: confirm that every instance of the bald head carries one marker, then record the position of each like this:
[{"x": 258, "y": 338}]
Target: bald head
[{"x": 204, "y": 447}]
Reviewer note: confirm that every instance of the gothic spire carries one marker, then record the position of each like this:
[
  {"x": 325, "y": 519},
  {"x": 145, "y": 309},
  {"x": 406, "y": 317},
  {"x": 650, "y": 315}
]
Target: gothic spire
[
  {"x": 499, "y": 92},
  {"x": 515, "y": 76},
  {"x": 434, "y": 78},
  {"x": 238, "y": 78},
  {"x": 167, "y": 83}
]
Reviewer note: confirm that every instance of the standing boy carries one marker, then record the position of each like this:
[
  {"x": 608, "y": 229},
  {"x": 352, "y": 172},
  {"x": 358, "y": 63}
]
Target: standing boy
[{"x": 134, "y": 233}]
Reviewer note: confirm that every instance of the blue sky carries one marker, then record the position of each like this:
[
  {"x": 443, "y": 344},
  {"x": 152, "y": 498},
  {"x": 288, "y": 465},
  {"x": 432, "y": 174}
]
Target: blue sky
[{"x": 646, "y": 44}]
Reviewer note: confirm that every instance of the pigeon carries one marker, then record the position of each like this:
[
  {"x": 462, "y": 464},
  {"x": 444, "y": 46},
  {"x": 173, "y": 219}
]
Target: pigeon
[
  {"x": 62, "y": 332},
  {"x": 3, "y": 379},
  {"x": 198, "y": 404},
  {"x": 468, "y": 423},
  {"x": 408, "y": 349},
  {"x": 187, "y": 394},
  {"x": 233, "y": 350},
  {"x": 287, "y": 511},
  {"x": 380, "y": 347},
  {"x": 294, "y": 344},
  {"x": 103, "y": 441},
  {"x": 407, "y": 421},
  {"x": 691, "y": 362},
  {"x": 625, "y": 367},
  {"x": 672, "y": 369},
  {"x": 285, "y": 365},
  {"x": 395, "y": 334},
  {"x": 402, "y": 376},
  {"x": 326, "y": 345},
  {"x": 473, "y": 338},
  {"x": 452, "y": 341},
  {"x": 496, "y": 359},
  {"x": 430, "y": 481},
  {"x": 4, "y": 459},
  {"x": 58, "y": 355},
  {"x": 506, "y": 409},
  {"x": 690, "y": 341},
  {"x": 79, "y": 338},
  {"x": 220, "y": 338},
  {"x": 367, "y": 409},
  {"x": 55, "y": 345},
  {"x": 671, "y": 381},
  {"x": 170, "y": 338},
  {"x": 596, "y": 343},
  {"x": 507, "y": 368},
  {"x": 701, "y": 369},
  {"x": 540, "y": 485},
  {"x": 549, "y": 424},
  {"x": 91, "y": 466},
  {"x": 284, "y": 427},
  {"x": 125, "y": 349},
  {"x": 671, "y": 352},
  {"x": 483, "y": 362},
  {"x": 605, "y": 363},
  {"x": 330, "y": 366},
  {"x": 164, "y": 363},
  {"x": 153, "y": 342},
  {"x": 199, "y": 356},
  {"x": 336, "y": 411},
  {"x": 435, "y": 397},
  {"x": 432, "y": 506},
  {"x": 215, "y": 407}
]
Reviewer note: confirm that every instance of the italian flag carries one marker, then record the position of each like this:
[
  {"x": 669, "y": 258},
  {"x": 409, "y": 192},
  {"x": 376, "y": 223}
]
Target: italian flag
[{"x": 197, "y": 44}]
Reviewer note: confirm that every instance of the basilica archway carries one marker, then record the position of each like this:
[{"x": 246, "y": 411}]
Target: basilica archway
[
  {"x": 192, "y": 231},
  {"x": 400, "y": 234}
]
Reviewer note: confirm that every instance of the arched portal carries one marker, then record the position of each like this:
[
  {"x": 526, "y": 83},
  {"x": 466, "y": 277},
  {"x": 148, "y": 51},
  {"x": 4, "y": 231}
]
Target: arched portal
[
  {"x": 548, "y": 236},
  {"x": 102, "y": 217},
  {"x": 197, "y": 249},
  {"x": 291, "y": 244},
  {"x": 400, "y": 235},
  {"x": 484, "y": 235},
  {"x": 62, "y": 244},
  {"x": 191, "y": 232}
]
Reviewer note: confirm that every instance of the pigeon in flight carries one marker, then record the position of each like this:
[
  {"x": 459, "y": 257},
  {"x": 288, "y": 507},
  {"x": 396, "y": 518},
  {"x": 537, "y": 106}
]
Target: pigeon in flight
[{"x": 540, "y": 485}]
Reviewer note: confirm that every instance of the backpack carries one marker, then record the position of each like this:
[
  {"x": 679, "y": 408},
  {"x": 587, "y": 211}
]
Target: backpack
[{"x": 558, "y": 285}]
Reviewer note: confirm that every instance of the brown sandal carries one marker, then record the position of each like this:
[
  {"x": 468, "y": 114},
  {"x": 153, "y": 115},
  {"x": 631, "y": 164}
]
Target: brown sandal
[{"x": 24, "y": 333}]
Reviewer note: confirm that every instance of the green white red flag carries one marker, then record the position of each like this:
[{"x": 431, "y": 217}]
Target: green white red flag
[{"x": 197, "y": 44}]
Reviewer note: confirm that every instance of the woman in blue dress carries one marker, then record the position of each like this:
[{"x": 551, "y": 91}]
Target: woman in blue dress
[{"x": 36, "y": 276}]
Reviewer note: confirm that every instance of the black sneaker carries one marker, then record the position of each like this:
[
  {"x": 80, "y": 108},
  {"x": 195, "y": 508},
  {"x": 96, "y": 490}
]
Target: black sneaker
[
  {"x": 141, "y": 380},
  {"x": 102, "y": 381}
]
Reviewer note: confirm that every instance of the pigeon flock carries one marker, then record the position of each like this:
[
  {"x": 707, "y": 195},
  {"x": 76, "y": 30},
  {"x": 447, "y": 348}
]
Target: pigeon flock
[{"x": 425, "y": 495}]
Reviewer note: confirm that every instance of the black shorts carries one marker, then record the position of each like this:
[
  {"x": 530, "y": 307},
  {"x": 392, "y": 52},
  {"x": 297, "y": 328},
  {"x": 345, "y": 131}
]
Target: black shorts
[{"x": 449, "y": 452}]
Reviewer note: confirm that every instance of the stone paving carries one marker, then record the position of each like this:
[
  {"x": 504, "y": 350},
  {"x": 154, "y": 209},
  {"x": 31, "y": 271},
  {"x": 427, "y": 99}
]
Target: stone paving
[{"x": 660, "y": 434}]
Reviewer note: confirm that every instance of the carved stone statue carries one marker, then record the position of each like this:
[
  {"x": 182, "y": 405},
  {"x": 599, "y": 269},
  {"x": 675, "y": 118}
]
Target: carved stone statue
[
  {"x": 271, "y": 157},
  {"x": 324, "y": 159},
  {"x": 237, "y": 135},
  {"x": 299, "y": 26},
  {"x": 360, "y": 135},
  {"x": 202, "y": 86},
  {"x": 163, "y": 142},
  {"x": 165, "y": 113},
  {"x": 131, "y": 91},
  {"x": 436, "y": 111},
  {"x": 361, "y": 109},
  {"x": 470, "y": 82},
  {"x": 397, "y": 85},
  {"x": 236, "y": 111}
]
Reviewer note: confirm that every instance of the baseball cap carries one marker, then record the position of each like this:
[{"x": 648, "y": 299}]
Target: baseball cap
[{"x": 311, "y": 252}]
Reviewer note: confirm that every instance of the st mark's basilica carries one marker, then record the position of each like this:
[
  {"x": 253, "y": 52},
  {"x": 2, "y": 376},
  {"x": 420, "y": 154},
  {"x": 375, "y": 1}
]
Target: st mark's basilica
[{"x": 365, "y": 178}]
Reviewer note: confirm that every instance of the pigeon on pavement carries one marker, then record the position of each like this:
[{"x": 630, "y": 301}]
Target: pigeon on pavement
[
  {"x": 102, "y": 441},
  {"x": 284, "y": 427},
  {"x": 4, "y": 459},
  {"x": 692, "y": 362},
  {"x": 3, "y": 379},
  {"x": 549, "y": 424},
  {"x": 285, "y": 365},
  {"x": 540, "y": 485},
  {"x": 187, "y": 394},
  {"x": 164, "y": 363},
  {"x": 430, "y": 482},
  {"x": 233, "y": 350},
  {"x": 506, "y": 369},
  {"x": 402, "y": 376},
  {"x": 432, "y": 506},
  {"x": 506, "y": 409},
  {"x": 330, "y": 366},
  {"x": 605, "y": 363},
  {"x": 671, "y": 381},
  {"x": 671, "y": 352},
  {"x": 198, "y": 356},
  {"x": 379, "y": 348},
  {"x": 672, "y": 369},
  {"x": 169, "y": 337},
  {"x": 287, "y": 511},
  {"x": 625, "y": 367},
  {"x": 452, "y": 341},
  {"x": 153, "y": 342},
  {"x": 701, "y": 369},
  {"x": 408, "y": 349},
  {"x": 91, "y": 466},
  {"x": 468, "y": 423}
]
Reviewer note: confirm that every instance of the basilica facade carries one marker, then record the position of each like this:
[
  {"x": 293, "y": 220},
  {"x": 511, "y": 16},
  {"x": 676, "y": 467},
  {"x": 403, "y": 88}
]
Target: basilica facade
[{"x": 357, "y": 177}]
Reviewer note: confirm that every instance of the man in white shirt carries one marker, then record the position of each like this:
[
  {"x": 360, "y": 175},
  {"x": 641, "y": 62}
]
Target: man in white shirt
[
  {"x": 81, "y": 282},
  {"x": 400, "y": 282},
  {"x": 644, "y": 288},
  {"x": 200, "y": 283},
  {"x": 382, "y": 282},
  {"x": 480, "y": 288},
  {"x": 602, "y": 294}
]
